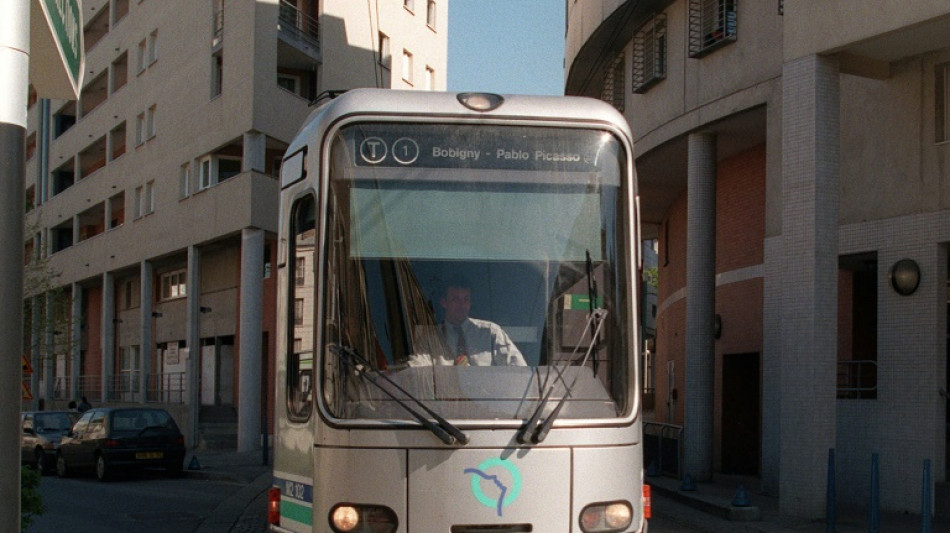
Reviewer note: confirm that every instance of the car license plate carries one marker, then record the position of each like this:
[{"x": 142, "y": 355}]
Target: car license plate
[{"x": 149, "y": 455}]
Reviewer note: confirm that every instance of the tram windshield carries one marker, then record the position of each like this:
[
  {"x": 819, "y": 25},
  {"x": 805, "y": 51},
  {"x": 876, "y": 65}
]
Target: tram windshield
[{"x": 475, "y": 269}]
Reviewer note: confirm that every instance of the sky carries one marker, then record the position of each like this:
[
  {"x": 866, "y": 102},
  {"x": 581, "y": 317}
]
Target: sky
[{"x": 506, "y": 46}]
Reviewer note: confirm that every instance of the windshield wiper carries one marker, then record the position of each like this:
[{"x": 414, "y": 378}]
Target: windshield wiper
[
  {"x": 540, "y": 431},
  {"x": 441, "y": 428}
]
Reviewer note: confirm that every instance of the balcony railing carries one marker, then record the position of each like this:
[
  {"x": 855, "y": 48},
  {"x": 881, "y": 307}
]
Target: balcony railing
[
  {"x": 169, "y": 387},
  {"x": 857, "y": 379},
  {"x": 298, "y": 24}
]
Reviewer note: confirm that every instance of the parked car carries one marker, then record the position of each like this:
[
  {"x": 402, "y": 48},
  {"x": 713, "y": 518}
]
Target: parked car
[
  {"x": 40, "y": 434},
  {"x": 108, "y": 439}
]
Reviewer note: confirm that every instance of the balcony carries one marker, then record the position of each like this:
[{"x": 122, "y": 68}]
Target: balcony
[{"x": 297, "y": 28}]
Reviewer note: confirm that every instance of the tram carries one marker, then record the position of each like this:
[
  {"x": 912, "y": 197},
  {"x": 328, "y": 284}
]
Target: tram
[{"x": 457, "y": 346}]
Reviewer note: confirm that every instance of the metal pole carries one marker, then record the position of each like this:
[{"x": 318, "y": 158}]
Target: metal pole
[
  {"x": 925, "y": 501},
  {"x": 875, "y": 511},
  {"x": 14, "y": 80},
  {"x": 831, "y": 512}
]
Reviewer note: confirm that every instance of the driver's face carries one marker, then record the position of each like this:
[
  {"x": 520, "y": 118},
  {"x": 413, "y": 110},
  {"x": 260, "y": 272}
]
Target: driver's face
[{"x": 457, "y": 303}]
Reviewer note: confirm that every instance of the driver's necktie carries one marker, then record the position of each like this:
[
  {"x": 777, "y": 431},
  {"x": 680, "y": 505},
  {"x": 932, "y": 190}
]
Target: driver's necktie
[{"x": 461, "y": 350}]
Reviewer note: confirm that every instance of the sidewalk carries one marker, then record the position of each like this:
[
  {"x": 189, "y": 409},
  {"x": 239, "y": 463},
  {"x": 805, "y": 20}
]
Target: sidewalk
[
  {"x": 245, "y": 510},
  {"x": 709, "y": 508}
]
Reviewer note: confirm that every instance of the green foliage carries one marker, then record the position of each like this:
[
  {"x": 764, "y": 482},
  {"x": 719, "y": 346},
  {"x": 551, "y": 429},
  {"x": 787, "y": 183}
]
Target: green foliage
[
  {"x": 652, "y": 276},
  {"x": 31, "y": 503}
]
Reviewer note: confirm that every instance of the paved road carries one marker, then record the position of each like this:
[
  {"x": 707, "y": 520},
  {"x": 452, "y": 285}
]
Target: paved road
[{"x": 148, "y": 502}]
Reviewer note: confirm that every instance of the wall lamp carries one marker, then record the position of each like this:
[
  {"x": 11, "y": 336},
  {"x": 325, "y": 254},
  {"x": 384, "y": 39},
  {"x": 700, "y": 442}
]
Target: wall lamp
[
  {"x": 905, "y": 276},
  {"x": 204, "y": 309}
]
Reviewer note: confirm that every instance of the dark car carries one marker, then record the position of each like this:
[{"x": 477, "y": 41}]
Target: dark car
[
  {"x": 40, "y": 434},
  {"x": 108, "y": 439}
]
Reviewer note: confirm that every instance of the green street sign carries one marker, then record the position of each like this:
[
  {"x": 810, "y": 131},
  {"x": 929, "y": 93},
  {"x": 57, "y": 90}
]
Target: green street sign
[{"x": 56, "y": 42}]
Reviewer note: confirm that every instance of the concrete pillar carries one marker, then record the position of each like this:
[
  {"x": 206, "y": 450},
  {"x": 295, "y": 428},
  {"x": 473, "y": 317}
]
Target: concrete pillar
[
  {"x": 255, "y": 152},
  {"x": 146, "y": 346},
  {"x": 108, "y": 334},
  {"x": 193, "y": 333},
  {"x": 700, "y": 305},
  {"x": 810, "y": 175},
  {"x": 250, "y": 338},
  {"x": 49, "y": 361},
  {"x": 75, "y": 345}
]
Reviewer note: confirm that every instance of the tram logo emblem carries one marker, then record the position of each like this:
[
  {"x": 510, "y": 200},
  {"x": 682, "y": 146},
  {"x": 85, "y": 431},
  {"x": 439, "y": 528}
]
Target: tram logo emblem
[{"x": 501, "y": 478}]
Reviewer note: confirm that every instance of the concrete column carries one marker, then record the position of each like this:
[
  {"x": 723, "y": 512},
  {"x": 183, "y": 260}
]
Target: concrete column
[
  {"x": 49, "y": 361},
  {"x": 700, "y": 305},
  {"x": 35, "y": 352},
  {"x": 250, "y": 338},
  {"x": 193, "y": 333},
  {"x": 108, "y": 334},
  {"x": 810, "y": 175},
  {"x": 146, "y": 346},
  {"x": 255, "y": 152},
  {"x": 75, "y": 345}
]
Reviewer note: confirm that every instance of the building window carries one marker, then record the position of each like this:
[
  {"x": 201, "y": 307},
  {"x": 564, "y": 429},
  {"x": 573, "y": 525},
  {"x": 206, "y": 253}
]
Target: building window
[
  {"x": 153, "y": 47},
  {"x": 149, "y": 200},
  {"x": 613, "y": 92},
  {"x": 184, "y": 181},
  {"x": 217, "y": 32},
  {"x": 649, "y": 54},
  {"x": 301, "y": 271},
  {"x": 409, "y": 4},
  {"x": 214, "y": 169},
  {"x": 407, "y": 66},
  {"x": 430, "y": 78},
  {"x": 942, "y": 102},
  {"x": 857, "y": 326},
  {"x": 298, "y": 312},
  {"x": 430, "y": 14},
  {"x": 217, "y": 74},
  {"x": 140, "y": 129},
  {"x": 174, "y": 284},
  {"x": 150, "y": 122},
  {"x": 712, "y": 23},
  {"x": 138, "y": 201},
  {"x": 385, "y": 56},
  {"x": 141, "y": 57}
]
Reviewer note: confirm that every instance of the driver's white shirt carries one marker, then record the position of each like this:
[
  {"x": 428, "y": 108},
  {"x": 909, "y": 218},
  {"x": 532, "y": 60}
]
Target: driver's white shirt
[{"x": 487, "y": 344}]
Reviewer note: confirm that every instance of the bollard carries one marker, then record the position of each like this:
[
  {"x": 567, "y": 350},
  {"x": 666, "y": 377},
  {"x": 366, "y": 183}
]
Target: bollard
[
  {"x": 830, "y": 497},
  {"x": 925, "y": 501},
  {"x": 741, "y": 498},
  {"x": 688, "y": 484},
  {"x": 875, "y": 512}
]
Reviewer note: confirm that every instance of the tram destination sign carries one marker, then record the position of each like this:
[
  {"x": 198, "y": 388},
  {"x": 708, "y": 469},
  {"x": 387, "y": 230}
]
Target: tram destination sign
[{"x": 479, "y": 147}]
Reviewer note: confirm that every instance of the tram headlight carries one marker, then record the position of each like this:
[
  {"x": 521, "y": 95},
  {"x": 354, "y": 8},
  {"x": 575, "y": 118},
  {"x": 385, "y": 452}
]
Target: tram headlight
[
  {"x": 605, "y": 517},
  {"x": 360, "y": 518}
]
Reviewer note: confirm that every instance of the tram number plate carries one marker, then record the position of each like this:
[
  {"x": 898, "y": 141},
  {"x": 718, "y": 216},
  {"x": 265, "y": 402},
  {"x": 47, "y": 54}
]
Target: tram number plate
[{"x": 149, "y": 455}]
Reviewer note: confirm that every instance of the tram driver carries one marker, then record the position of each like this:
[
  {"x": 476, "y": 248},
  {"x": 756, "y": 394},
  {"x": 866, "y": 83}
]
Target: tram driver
[{"x": 461, "y": 340}]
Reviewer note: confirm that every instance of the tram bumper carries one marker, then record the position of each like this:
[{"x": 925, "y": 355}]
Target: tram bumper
[{"x": 460, "y": 490}]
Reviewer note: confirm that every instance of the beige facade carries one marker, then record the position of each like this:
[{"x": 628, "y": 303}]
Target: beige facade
[
  {"x": 154, "y": 196},
  {"x": 835, "y": 116}
]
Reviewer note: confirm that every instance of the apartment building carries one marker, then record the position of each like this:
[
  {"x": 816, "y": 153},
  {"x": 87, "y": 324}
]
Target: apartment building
[
  {"x": 792, "y": 158},
  {"x": 152, "y": 199}
]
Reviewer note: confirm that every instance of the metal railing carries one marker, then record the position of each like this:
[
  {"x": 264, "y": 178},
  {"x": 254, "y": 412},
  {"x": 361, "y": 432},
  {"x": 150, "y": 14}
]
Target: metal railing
[
  {"x": 299, "y": 24},
  {"x": 169, "y": 387},
  {"x": 124, "y": 387},
  {"x": 663, "y": 449},
  {"x": 857, "y": 379}
]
